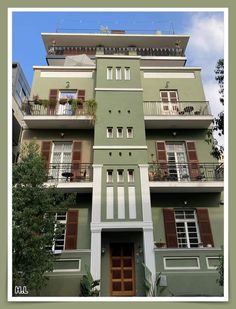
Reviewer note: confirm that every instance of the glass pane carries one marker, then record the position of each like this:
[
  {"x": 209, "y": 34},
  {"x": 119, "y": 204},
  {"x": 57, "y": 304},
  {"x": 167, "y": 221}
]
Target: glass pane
[
  {"x": 127, "y": 262},
  {"x": 128, "y": 274},
  {"x": 128, "y": 286},
  {"x": 116, "y": 262},
  {"x": 116, "y": 274},
  {"x": 116, "y": 286}
]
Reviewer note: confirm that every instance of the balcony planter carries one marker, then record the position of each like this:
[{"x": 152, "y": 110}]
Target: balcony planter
[
  {"x": 74, "y": 106},
  {"x": 63, "y": 101},
  {"x": 92, "y": 108},
  {"x": 36, "y": 100},
  {"x": 160, "y": 244}
]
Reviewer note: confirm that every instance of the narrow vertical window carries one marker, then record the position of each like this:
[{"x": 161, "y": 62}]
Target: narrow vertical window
[
  {"x": 118, "y": 73},
  {"x": 119, "y": 132},
  {"x": 120, "y": 175},
  {"x": 109, "y": 132},
  {"x": 109, "y": 175},
  {"x": 127, "y": 73},
  {"x": 130, "y": 175},
  {"x": 109, "y": 73},
  {"x": 130, "y": 132}
]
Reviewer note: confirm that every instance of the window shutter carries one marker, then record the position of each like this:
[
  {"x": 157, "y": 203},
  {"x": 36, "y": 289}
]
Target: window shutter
[
  {"x": 53, "y": 96},
  {"x": 71, "y": 229},
  {"x": 162, "y": 157},
  {"x": 204, "y": 227},
  {"x": 81, "y": 98},
  {"x": 46, "y": 148},
  {"x": 170, "y": 228},
  {"x": 192, "y": 160},
  {"x": 76, "y": 159}
]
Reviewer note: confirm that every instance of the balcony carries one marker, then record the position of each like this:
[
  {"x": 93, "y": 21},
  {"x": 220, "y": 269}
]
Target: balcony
[
  {"x": 186, "y": 177},
  {"x": 178, "y": 114},
  {"x": 70, "y": 176},
  {"x": 37, "y": 116}
]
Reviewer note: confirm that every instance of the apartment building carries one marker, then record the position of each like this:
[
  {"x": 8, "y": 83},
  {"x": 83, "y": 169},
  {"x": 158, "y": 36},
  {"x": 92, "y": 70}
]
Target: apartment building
[{"x": 149, "y": 194}]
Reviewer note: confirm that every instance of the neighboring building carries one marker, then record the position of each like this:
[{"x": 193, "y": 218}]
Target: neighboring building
[
  {"x": 20, "y": 94},
  {"x": 148, "y": 190}
]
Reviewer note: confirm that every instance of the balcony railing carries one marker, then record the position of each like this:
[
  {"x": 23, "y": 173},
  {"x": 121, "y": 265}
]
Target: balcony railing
[
  {"x": 70, "y": 172},
  {"x": 178, "y": 108},
  {"x": 186, "y": 172},
  {"x": 32, "y": 109},
  {"x": 92, "y": 50}
]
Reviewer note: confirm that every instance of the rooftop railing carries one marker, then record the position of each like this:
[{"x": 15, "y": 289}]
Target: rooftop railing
[
  {"x": 186, "y": 171},
  {"x": 181, "y": 108},
  {"x": 70, "y": 172},
  {"x": 92, "y": 50}
]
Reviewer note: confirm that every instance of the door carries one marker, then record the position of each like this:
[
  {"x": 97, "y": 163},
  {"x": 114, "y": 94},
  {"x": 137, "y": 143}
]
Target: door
[
  {"x": 60, "y": 160},
  {"x": 122, "y": 272},
  {"x": 169, "y": 103},
  {"x": 177, "y": 162}
]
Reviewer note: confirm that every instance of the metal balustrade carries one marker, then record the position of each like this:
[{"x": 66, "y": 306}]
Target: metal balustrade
[
  {"x": 172, "y": 171},
  {"x": 178, "y": 108},
  {"x": 70, "y": 172}
]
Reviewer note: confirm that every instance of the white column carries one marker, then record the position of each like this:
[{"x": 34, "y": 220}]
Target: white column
[
  {"x": 95, "y": 260},
  {"x": 149, "y": 253},
  {"x": 145, "y": 193},
  {"x": 97, "y": 193}
]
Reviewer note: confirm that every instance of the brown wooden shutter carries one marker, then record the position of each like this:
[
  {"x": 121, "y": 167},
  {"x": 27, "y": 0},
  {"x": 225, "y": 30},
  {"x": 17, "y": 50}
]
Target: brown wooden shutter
[
  {"x": 53, "y": 96},
  {"x": 46, "y": 148},
  {"x": 162, "y": 158},
  {"x": 81, "y": 99},
  {"x": 192, "y": 160},
  {"x": 71, "y": 229},
  {"x": 204, "y": 227},
  {"x": 76, "y": 160},
  {"x": 170, "y": 228}
]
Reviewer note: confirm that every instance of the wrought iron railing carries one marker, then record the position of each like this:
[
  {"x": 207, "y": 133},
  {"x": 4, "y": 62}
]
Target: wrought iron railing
[
  {"x": 181, "y": 108},
  {"x": 70, "y": 172},
  {"x": 172, "y": 171},
  {"x": 108, "y": 50},
  {"x": 32, "y": 109}
]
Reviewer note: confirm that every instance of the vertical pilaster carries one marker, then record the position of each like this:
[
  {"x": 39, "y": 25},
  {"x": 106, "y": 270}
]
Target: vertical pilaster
[
  {"x": 95, "y": 263},
  {"x": 145, "y": 193},
  {"x": 97, "y": 193}
]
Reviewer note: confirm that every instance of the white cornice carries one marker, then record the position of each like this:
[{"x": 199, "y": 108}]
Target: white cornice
[
  {"x": 171, "y": 68},
  {"x": 64, "y": 68}
]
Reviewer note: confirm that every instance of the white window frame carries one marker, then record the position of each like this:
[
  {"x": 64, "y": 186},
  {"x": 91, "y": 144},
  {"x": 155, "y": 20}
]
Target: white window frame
[
  {"x": 131, "y": 133},
  {"x": 186, "y": 221},
  {"x": 120, "y": 175},
  {"x": 66, "y": 108},
  {"x": 127, "y": 73},
  {"x": 118, "y": 73},
  {"x": 119, "y": 134},
  {"x": 69, "y": 269},
  {"x": 169, "y": 107},
  {"x": 61, "y": 222},
  {"x": 110, "y": 176},
  {"x": 109, "y": 134},
  {"x": 211, "y": 258},
  {"x": 109, "y": 73},
  {"x": 130, "y": 177},
  {"x": 165, "y": 259}
]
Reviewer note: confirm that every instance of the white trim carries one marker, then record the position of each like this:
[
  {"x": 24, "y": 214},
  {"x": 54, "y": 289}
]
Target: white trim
[
  {"x": 207, "y": 262},
  {"x": 118, "y": 89},
  {"x": 168, "y": 75},
  {"x": 171, "y": 68},
  {"x": 63, "y": 68},
  {"x": 121, "y": 202},
  {"x": 61, "y": 74},
  {"x": 181, "y": 258},
  {"x": 132, "y": 202},
  {"x": 163, "y": 58},
  {"x": 149, "y": 254},
  {"x": 118, "y": 56},
  {"x": 123, "y": 225},
  {"x": 119, "y": 147},
  {"x": 97, "y": 193},
  {"x": 145, "y": 193},
  {"x": 70, "y": 269},
  {"x": 110, "y": 203},
  {"x": 95, "y": 259}
]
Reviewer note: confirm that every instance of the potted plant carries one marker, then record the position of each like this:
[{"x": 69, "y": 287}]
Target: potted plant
[
  {"x": 160, "y": 244},
  {"x": 45, "y": 103},
  {"x": 63, "y": 101},
  {"x": 36, "y": 100},
  {"x": 74, "y": 106},
  {"x": 92, "y": 107}
]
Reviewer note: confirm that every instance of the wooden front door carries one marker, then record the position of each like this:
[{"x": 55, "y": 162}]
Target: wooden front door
[{"x": 122, "y": 270}]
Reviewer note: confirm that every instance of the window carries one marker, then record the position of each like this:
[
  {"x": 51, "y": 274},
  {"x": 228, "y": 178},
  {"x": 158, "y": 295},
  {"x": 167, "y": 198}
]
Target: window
[
  {"x": 109, "y": 175},
  {"x": 119, "y": 132},
  {"x": 59, "y": 243},
  {"x": 130, "y": 132},
  {"x": 65, "y": 96},
  {"x": 186, "y": 228},
  {"x": 169, "y": 101},
  {"x": 130, "y": 175},
  {"x": 109, "y": 73},
  {"x": 109, "y": 132},
  {"x": 127, "y": 73},
  {"x": 118, "y": 73},
  {"x": 120, "y": 175}
]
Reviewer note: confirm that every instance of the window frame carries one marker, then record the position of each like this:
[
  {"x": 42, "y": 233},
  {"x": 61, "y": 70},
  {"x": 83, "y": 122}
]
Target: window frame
[
  {"x": 109, "y": 73},
  {"x": 111, "y": 134},
  {"x": 129, "y": 179},
  {"x": 109, "y": 177},
  {"x": 120, "y": 177},
  {"x": 64, "y": 223},
  {"x": 127, "y": 73},
  {"x": 131, "y": 134},
  {"x": 118, "y": 73},
  {"x": 118, "y": 135}
]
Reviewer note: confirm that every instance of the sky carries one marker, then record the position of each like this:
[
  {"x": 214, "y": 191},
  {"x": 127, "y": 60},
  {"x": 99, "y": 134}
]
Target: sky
[{"x": 205, "y": 47}]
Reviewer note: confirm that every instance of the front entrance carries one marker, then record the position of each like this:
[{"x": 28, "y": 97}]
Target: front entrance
[{"x": 122, "y": 271}]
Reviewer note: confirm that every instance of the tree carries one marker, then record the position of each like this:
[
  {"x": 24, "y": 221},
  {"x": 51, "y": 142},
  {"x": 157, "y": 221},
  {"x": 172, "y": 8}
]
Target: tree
[
  {"x": 33, "y": 212},
  {"x": 218, "y": 123}
]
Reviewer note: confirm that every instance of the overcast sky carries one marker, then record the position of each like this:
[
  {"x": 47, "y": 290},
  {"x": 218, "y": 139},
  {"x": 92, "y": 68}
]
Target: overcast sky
[{"x": 205, "y": 47}]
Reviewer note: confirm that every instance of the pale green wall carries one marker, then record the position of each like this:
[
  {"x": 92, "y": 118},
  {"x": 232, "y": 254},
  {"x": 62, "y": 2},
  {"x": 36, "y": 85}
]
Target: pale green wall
[
  {"x": 42, "y": 85},
  {"x": 189, "y": 89}
]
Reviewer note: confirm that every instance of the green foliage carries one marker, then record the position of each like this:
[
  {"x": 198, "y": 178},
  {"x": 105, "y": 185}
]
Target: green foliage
[
  {"x": 88, "y": 284},
  {"x": 216, "y": 150},
  {"x": 220, "y": 269},
  {"x": 92, "y": 108},
  {"x": 33, "y": 222}
]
